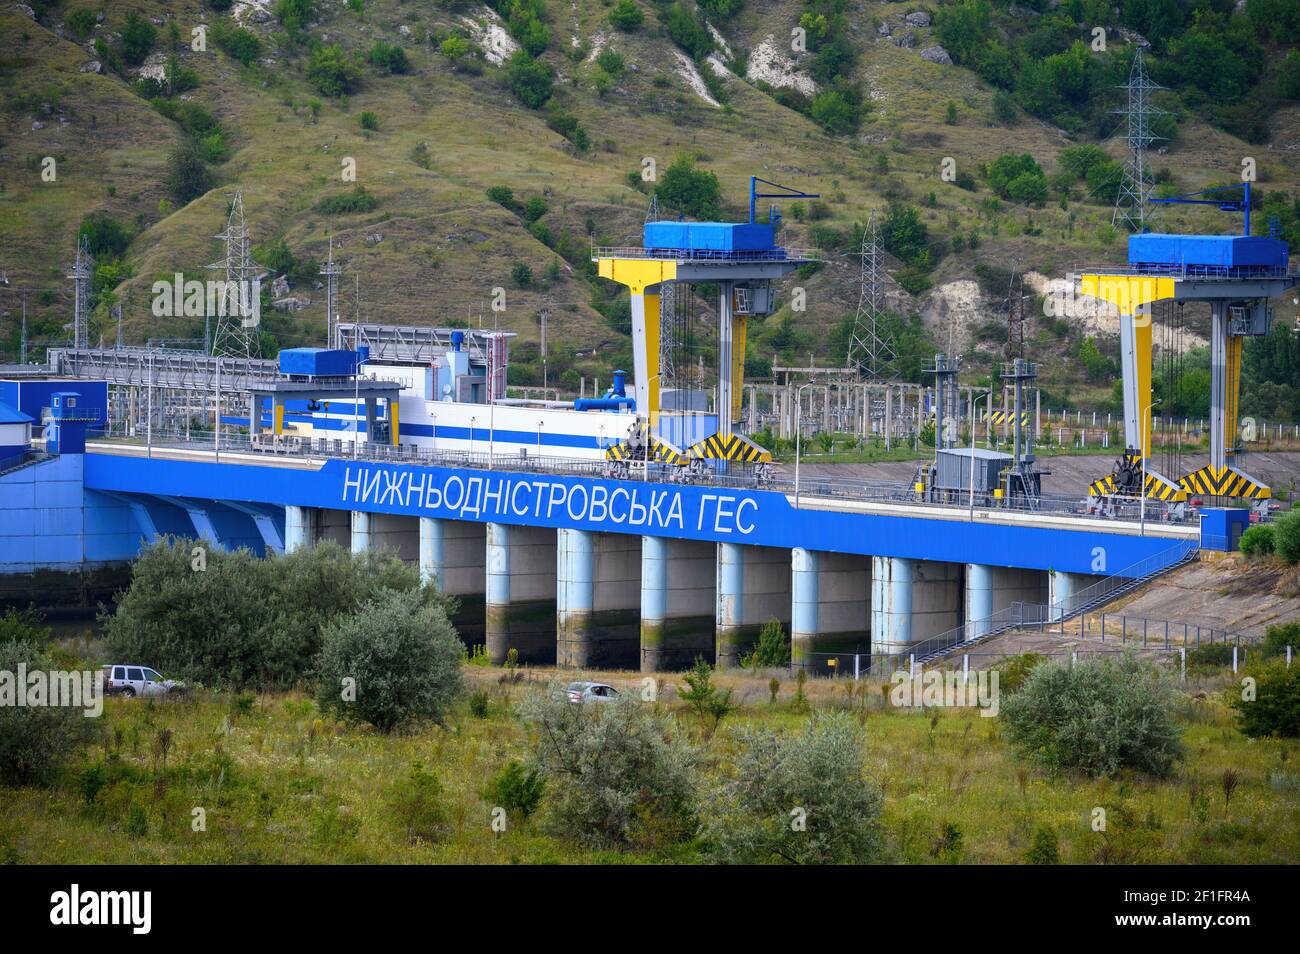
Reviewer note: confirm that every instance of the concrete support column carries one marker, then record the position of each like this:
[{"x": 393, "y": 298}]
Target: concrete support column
[
  {"x": 430, "y": 551},
  {"x": 361, "y": 531},
  {"x": 597, "y": 608},
  {"x": 1064, "y": 591},
  {"x": 521, "y": 593},
  {"x": 753, "y": 587},
  {"x": 992, "y": 589},
  {"x": 299, "y": 528},
  {"x": 830, "y": 606},
  {"x": 452, "y": 558},
  {"x": 912, "y": 601},
  {"x": 677, "y": 594}
]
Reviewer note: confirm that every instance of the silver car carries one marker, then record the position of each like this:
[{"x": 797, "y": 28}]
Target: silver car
[
  {"x": 580, "y": 692},
  {"x": 128, "y": 681}
]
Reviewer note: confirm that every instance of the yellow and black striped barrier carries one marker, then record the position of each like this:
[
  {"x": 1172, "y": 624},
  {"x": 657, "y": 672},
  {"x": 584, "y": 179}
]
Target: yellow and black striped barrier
[
  {"x": 730, "y": 447},
  {"x": 999, "y": 418},
  {"x": 661, "y": 451},
  {"x": 1224, "y": 482}
]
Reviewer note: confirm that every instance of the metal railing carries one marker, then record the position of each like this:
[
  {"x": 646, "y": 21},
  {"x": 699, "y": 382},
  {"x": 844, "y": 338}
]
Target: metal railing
[
  {"x": 1035, "y": 615},
  {"x": 810, "y": 490},
  {"x": 711, "y": 256},
  {"x": 1184, "y": 271}
]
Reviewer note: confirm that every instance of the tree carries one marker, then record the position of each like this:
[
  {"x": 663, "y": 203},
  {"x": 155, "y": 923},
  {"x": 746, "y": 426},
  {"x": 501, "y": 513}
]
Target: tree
[
  {"x": 834, "y": 113},
  {"x": 1286, "y": 536},
  {"x": 332, "y": 71},
  {"x": 187, "y": 176},
  {"x": 1017, "y": 176},
  {"x": 138, "y": 39},
  {"x": 903, "y": 233},
  {"x": 619, "y": 774},
  {"x": 529, "y": 80},
  {"x": 394, "y": 661},
  {"x": 107, "y": 236},
  {"x": 687, "y": 30},
  {"x": 295, "y": 15},
  {"x": 690, "y": 190},
  {"x": 710, "y": 703},
  {"x": 800, "y": 799},
  {"x": 1096, "y": 716},
  {"x": 962, "y": 28},
  {"x": 237, "y": 43},
  {"x": 1275, "y": 710},
  {"x": 626, "y": 16}
]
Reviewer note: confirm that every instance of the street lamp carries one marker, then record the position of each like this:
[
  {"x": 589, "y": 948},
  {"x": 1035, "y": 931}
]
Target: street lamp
[
  {"x": 539, "y": 437},
  {"x": 1142, "y": 490},
  {"x": 356, "y": 407},
  {"x": 798, "y": 435},
  {"x": 972, "y": 456}
]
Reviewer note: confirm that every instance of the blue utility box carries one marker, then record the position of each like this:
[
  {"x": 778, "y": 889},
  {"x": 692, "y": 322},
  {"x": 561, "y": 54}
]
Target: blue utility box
[
  {"x": 714, "y": 237},
  {"x": 318, "y": 362},
  {"x": 1221, "y": 527},
  {"x": 1207, "y": 251}
]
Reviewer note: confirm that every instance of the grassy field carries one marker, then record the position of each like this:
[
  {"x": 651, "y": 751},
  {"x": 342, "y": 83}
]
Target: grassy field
[{"x": 279, "y": 783}]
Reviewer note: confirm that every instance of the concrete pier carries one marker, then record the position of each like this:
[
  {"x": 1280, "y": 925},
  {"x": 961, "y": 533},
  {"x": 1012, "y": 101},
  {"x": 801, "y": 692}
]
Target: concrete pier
[
  {"x": 912, "y": 601},
  {"x": 521, "y": 593},
  {"x": 992, "y": 589},
  {"x": 598, "y": 597},
  {"x": 452, "y": 555},
  {"x": 677, "y": 602},
  {"x": 362, "y": 524},
  {"x": 396, "y": 534},
  {"x": 299, "y": 527},
  {"x": 753, "y": 587},
  {"x": 1064, "y": 591},
  {"x": 830, "y": 606}
]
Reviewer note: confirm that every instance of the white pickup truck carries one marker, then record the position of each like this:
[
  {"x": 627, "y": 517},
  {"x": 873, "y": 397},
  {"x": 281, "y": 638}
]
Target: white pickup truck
[{"x": 130, "y": 680}]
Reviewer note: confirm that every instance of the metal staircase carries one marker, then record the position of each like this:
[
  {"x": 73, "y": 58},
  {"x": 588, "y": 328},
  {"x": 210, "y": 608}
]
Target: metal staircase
[{"x": 1020, "y": 615}]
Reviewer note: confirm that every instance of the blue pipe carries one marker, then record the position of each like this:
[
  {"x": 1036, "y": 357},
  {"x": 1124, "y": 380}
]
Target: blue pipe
[{"x": 604, "y": 404}]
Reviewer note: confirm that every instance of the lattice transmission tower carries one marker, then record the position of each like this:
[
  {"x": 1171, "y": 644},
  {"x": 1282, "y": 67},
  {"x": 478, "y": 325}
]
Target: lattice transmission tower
[
  {"x": 1133, "y": 201},
  {"x": 870, "y": 350},
  {"x": 331, "y": 270},
  {"x": 83, "y": 270},
  {"x": 232, "y": 336}
]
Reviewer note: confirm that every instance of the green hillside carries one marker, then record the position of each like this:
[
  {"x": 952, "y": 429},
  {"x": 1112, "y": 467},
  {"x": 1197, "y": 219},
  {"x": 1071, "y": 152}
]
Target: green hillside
[{"x": 433, "y": 109}]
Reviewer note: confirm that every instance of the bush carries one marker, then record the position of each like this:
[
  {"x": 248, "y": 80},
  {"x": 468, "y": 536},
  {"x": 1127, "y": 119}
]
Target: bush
[
  {"x": 403, "y": 658},
  {"x": 801, "y": 799},
  {"x": 1097, "y": 717},
  {"x": 1213, "y": 656},
  {"x": 521, "y": 274},
  {"x": 1014, "y": 671},
  {"x": 1276, "y": 639},
  {"x": 1257, "y": 540},
  {"x": 1286, "y": 536},
  {"x": 534, "y": 208},
  {"x": 419, "y": 805},
  {"x": 687, "y": 189},
  {"x": 237, "y": 43},
  {"x": 618, "y": 773},
  {"x": 1275, "y": 710},
  {"x": 35, "y": 741},
  {"x": 80, "y": 23},
  {"x": 389, "y": 58},
  {"x": 358, "y": 200},
  {"x": 530, "y": 80},
  {"x": 368, "y": 120},
  {"x": 772, "y": 648},
  {"x": 187, "y": 175},
  {"x": 107, "y": 236},
  {"x": 626, "y": 16},
  {"x": 1045, "y": 849},
  {"x": 332, "y": 72},
  {"x": 242, "y": 621},
  {"x": 502, "y": 196},
  {"x": 516, "y": 788},
  {"x": 138, "y": 39},
  {"x": 22, "y": 626}
]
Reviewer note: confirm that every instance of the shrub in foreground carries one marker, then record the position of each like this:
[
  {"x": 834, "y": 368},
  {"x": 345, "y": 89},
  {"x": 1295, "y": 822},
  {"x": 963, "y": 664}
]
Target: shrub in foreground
[
  {"x": 801, "y": 799},
  {"x": 618, "y": 774},
  {"x": 34, "y": 740},
  {"x": 235, "y": 620},
  {"x": 1286, "y": 536},
  {"x": 1097, "y": 717},
  {"x": 1275, "y": 709},
  {"x": 1257, "y": 540},
  {"x": 394, "y": 661}
]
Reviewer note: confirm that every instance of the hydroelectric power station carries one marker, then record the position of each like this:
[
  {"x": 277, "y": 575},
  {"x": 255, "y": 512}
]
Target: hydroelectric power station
[{"x": 633, "y": 528}]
